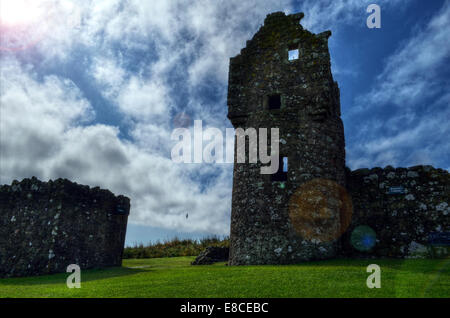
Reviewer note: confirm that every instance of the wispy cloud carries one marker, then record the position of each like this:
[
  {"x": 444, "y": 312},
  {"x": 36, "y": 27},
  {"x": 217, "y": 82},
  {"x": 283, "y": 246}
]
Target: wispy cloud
[
  {"x": 411, "y": 74},
  {"x": 42, "y": 135},
  {"x": 322, "y": 15},
  {"x": 408, "y": 103},
  {"x": 149, "y": 60}
]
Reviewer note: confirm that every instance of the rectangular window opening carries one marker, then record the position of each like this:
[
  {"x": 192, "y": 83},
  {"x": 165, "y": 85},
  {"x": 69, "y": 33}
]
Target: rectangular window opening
[
  {"x": 275, "y": 102},
  {"x": 293, "y": 55},
  {"x": 282, "y": 173}
]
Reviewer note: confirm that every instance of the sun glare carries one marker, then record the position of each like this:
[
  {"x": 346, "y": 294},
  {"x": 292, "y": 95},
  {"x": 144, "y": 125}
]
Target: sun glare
[{"x": 21, "y": 12}]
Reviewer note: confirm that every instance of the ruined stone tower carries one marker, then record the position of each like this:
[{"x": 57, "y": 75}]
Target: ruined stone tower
[{"x": 283, "y": 79}]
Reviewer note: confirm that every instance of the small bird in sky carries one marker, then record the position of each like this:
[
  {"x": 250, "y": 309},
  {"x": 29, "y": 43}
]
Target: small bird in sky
[{"x": 187, "y": 215}]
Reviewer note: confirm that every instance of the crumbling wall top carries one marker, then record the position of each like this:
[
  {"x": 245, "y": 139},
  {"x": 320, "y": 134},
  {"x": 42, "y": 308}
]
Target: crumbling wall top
[{"x": 277, "y": 26}]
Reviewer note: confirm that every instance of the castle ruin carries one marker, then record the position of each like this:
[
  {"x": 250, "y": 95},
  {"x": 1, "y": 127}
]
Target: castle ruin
[
  {"x": 47, "y": 226},
  {"x": 314, "y": 208}
]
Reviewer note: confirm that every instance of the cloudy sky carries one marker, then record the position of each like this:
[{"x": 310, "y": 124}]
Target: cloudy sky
[{"x": 92, "y": 90}]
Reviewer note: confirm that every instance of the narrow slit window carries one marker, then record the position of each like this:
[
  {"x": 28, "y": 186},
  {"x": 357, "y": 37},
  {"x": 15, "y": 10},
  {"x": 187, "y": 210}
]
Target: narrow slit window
[
  {"x": 293, "y": 55},
  {"x": 285, "y": 164},
  {"x": 275, "y": 102}
]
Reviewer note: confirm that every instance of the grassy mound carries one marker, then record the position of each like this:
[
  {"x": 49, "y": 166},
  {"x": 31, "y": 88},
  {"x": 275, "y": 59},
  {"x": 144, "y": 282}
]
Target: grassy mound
[{"x": 174, "y": 277}]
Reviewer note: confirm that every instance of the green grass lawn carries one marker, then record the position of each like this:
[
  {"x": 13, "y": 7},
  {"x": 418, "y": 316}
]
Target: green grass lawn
[{"x": 175, "y": 277}]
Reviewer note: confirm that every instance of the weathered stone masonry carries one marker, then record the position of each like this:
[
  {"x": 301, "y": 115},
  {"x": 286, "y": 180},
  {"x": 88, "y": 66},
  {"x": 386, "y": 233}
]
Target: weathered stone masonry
[
  {"x": 44, "y": 227},
  {"x": 312, "y": 211},
  {"x": 409, "y": 224},
  {"x": 311, "y": 136}
]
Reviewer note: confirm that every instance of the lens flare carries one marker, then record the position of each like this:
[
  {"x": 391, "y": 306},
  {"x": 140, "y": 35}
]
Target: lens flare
[
  {"x": 320, "y": 210},
  {"x": 23, "y": 23},
  {"x": 363, "y": 238},
  {"x": 182, "y": 120},
  {"x": 20, "y": 12}
]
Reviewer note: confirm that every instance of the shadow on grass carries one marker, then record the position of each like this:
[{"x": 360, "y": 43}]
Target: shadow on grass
[{"x": 86, "y": 276}]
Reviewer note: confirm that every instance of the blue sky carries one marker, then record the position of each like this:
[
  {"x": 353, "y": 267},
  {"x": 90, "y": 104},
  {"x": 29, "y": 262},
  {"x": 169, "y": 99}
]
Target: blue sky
[{"x": 90, "y": 91}]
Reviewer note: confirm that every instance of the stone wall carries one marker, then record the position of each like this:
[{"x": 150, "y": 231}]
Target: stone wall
[
  {"x": 401, "y": 212},
  {"x": 46, "y": 226}
]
